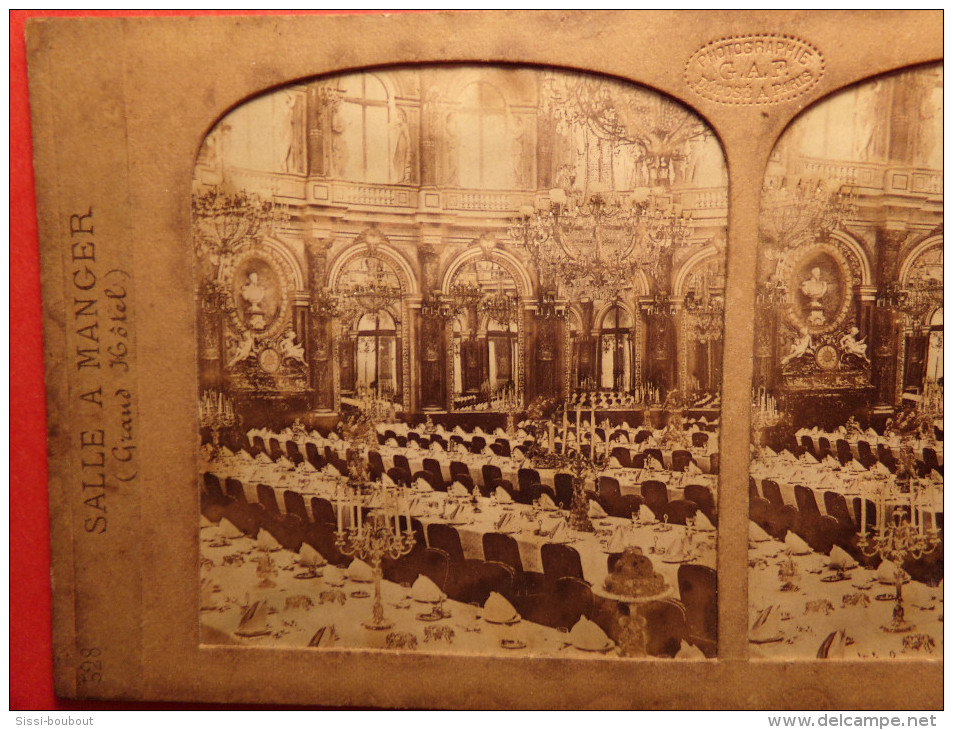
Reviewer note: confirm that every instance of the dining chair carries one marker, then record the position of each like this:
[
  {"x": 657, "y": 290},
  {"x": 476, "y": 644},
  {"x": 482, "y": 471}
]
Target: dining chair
[
  {"x": 504, "y": 447},
  {"x": 258, "y": 446},
  {"x": 642, "y": 435},
  {"x": 681, "y": 459},
  {"x": 323, "y": 511},
  {"x": 753, "y": 492},
  {"x": 560, "y": 561},
  {"x": 477, "y": 444},
  {"x": 807, "y": 443},
  {"x": 320, "y": 536},
  {"x": 700, "y": 439},
  {"x": 655, "y": 454},
  {"x": 433, "y": 466},
  {"x": 212, "y": 487},
  {"x": 235, "y": 489},
  {"x": 624, "y": 506},
  {"x": 313, "y": 456},
  {"x": 562, "y": 483},
  {"x": 487, "y": 577},
  {"x": 865, "y": 454},
  {"x": 501, "y": 548},
  {"x": 835, "y": 505},
  {"x": 458, "y": 467},
  {"x": 886, "y": 457},
  {"x": 806, "y": 502},
  {"x": 267, "y": 499},
  {"x": 655, "y": 494},
  {"x": 376, "y": 462},
  {"x": 402, "y": 476},
  {"x": 274, "y": 449},
  {"x": 824, "y": 448},
  {"x": 715, "y": 461},
  {"x": 294, "y": 505},
  {"x": 678, "y": 511},
  {"x": 844, "y": 454},
  {"x": 401, "y": 462},
  {"x": 608, "y": 488},
  {"x": 931, "y": 460},
  {"x": 623, "y": 456},
  {"x": 637, "y": 460},
  {"x": 465, "y": 479},
  {"x": 293, "y": 452},
  {"x": 526, "y": 476},
  {"x": 701, "y": 495},
  {"x": 490, "y": 473},
  {"x": 698, "y": 591},
  {"x": 772, "y": 492},
  {"x": 572, "y": 599},
  {"x": 666, "y": 626},
  {"x": 446, "y": 538},
  {"x": 548, "y": 491}
]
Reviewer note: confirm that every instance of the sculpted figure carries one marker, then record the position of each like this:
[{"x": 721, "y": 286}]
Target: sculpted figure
[
  {"x": 244, "y": 348},
  {"x": 851, "y": 345},
  {"x": 815, "y": 288},
  {"x": 289, "y": 349},
  {"x": 253, "y": 293},
  {"x": 801, "y": 346}
]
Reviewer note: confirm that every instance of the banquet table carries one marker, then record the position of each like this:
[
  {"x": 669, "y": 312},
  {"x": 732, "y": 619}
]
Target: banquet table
[
  {"x": 817, "y": 608},
  {"x": 296, "y": 611},
  {"x": 874, "y": 439},
  {"x": 429, "y": 507},
  {"x": 821, "y": 478}
]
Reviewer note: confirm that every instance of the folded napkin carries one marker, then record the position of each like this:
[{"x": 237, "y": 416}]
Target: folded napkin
[
  {"x": 425, "y": 590},
  {"x": 617, "y": 543},
  {"x": 498, "y": 610},
  {"x": 917, "y": 594},
  {"x": 284, "y": 462},
  {"x": 692, "y": 468},
  {"x": 487, "y": 451},
  {"x": 702, "y": 522},
  {"x": 935, "y": 477},
  {"x": 262, "y": 459},
  {"x": 653, "y": 464},
  {"x": 392, "y": 442},
  {"x": 521, "y": 434},
  {"x": 795, "y": 545},
  {"x": 266, "y": 542},
  {"x": 831, "y": 462},
  {"x": 309, "y": 557},
  {"x": 458, "y": 490},
  {"x": 387, "y": 481},
  {"x": 205, "y": 521},
  {"x": 458, "y": 431},
  {"x": 228, "y": 530},
  {"x": 766, "y": 451},
  {"x": 422, "y": 485},
  {"x": 688, "y": 651},
  {"x": 595, "y": 510},
  {"x": 245, "y": 458},
  {"x": 676, "y": 548},
  {"x": 588, "y": 636},
  {"x": 546, "y": 502},
  {"x": 879, "y": 468},
  {"x": 646, "y": 514},
  {"x": 808, "y": 458},
  {"x": 787, "y": 456},
  {"x": 436, "y": 446},
  {"x": 330, "y": 470},
  {"x": 333, "y": 436},
  {"x": 767, "y": 625},
  {"x": 413, "y": 446},
  {"x": 503, "y": 496},
  {"x": 499, "y": 432},
  {"x": 254, "y": 619},
  {"x": 360, "y": 571},
  {"x": 855, "y": 466},
  {"x": 614, "y": 463},
  {"x": 226, "y": 452},
  {"x": 560, "y": 533},
  {"x": 840, "y": 559},
  {"x": 887, "y": 572}
]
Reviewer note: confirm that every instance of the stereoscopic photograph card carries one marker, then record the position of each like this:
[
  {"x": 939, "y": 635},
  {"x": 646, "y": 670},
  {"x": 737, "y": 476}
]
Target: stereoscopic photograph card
[{"x": 524, "y": 359}]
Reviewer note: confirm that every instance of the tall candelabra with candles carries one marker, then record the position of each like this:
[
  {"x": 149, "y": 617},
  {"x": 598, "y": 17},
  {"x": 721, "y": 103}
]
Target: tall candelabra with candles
[
  {"x": 374, "y": 536},
  {"x": 764, "y": 415},
  {"x": 896, "y": 538},
  {"x": 215, "y": 413}
]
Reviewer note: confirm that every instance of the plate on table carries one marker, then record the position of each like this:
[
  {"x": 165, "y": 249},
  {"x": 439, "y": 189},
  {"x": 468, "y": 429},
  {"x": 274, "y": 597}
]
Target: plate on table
[
  {"x": 885, "y": 597},
  {"x": 437, "y": 614},
  {"x": 666, "y": 559},
  {"x": 509, "y": 622},
  {"x": 799, "y": 553},
  {"x": 767, "y": 640},
  {"x": 610, "y": 644},
  {"x": 360, "y": 594},
  {"x": 250, "y": 634},
  {"x": 833, "y": 578},
  {"x": 309, "y": 575},
  {"x": 512, "y": 644}
]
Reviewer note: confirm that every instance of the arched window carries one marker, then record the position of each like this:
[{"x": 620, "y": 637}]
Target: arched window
[
  {"x": 484, "y": 141},
  {"x": 376, "y": 354},
  {"x": 364, "y": 118},
  {"x": 615, "y": 372}
]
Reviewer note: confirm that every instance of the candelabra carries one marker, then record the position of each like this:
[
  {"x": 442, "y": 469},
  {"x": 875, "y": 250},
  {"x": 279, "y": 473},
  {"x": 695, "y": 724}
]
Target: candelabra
[
  {"x": 793, "y": 214},
  {"x": 326, "y": 303},
  {"x": 897, "y": 539},
  {"x": 708, "y": 315},
  {"x": 373, "y": 539},
  {"x": 764, "y": 415},
  {"x": 215, "y": 413}
]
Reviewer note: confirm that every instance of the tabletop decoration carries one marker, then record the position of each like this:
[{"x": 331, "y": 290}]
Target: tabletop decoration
[
  {"x": 919, "y": 642},
  {"x": 895, "y": 539},
  {"x": 439, "y": 633},
  {"x": 216, "y": 412},
  {"x": 332, "y": 595},
  {"x": 401, "y": 640}
]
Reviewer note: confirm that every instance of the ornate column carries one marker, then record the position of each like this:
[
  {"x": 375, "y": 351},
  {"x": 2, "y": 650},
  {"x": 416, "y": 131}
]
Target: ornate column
[
  {"x": 213, "y": 302},
  {"x": 432, "y": 328},
  {"x": 885, "y": 341},
  {"x": 545, "y": 133},
  {"x": 429, "y": 123},
  {"x": 319, "y": 347}
]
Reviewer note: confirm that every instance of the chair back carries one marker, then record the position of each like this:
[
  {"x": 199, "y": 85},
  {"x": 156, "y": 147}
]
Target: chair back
[
  {"x": 564, "y": 490},
  {"x": 267, "y": 499},
  {"x": 529, "y": 493},
  {"x": 698, "y": 591},
  {"x": 560, "y": 561},
  {"x": 701, "y": 495},
  {"x": 807, "y": 443},
  {"x": 294, "y": 453},
  {"x": 572, "y": 599},
  {"x": 806, "y": 501},
  {"x": 491, "y": 473},
  {"x": 624, "y": 506},
  {"x": 655, "y": 454},
  {"x": 681, "y": 459},
  {"x": 320, "y": 536},
  {"x": 715, "y": 461},
  {"x": 753, "y": 492},
  {"x": 548, "y": 491},
  {"x": 678, "y": 511},
  {"x": 435, "y": 564},
  {"x": 865, "y": 454},
  {"x": 623, "y": 456},
  {"x": 844, "y": 454},
  {"x": 464, "y": 479},
  {"x": 477, "y": 444},
  {"x": 824, "y": 447},
  {"x": 886, "y": 457},
  {"x": 637, "y": 460},
  {"x": 274, "y": 449},
  {"x": 655, "y": 494},
  {"x": 446, "y": 538},
  {"x": 235, "y": 489},
  {"x": 311, "y": 452},
  {"x": 504, "y": 447},
  {"x": 700, "y": 439},
  {"x": 608, "y": 488},
  {"x": 483, "y": 578},
  {"x": 401, "y": 476},
  {"x": 258, "y": 446},
  {"x": 433, "y": 466},
  {"x": 772, "y": 492},
  {"x": 642, "y": 435},
  {"x": 835, "y": 504},
  {"x": 525, "y": 477},
  {"x": 294, "y": 505},
  {"x": 212, "y": 487},
  {"x": 666, "y": 626},
  {"x": 323, "y": 511},
  {"x": 376, "y": 462},
  {"x": 401, "y": 462},
  {"x": 458, "y": 467},
  {"x": 501, "y": 548}
]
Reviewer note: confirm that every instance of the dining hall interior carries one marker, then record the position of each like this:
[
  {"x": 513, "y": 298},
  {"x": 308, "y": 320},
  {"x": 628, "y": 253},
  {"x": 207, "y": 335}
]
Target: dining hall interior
[{"x": 460, "y": 359}]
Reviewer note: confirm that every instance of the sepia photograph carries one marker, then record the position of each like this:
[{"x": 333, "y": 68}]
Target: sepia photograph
[
  {"x": 460, "y": 359},
  {"x": 846, "y": 485}
]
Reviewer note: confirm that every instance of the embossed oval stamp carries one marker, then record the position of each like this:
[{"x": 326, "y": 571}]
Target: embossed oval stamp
[{"x": 754, "y": 69}]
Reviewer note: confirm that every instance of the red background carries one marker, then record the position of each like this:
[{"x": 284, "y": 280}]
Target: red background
[{"x": 31, "y": 670}]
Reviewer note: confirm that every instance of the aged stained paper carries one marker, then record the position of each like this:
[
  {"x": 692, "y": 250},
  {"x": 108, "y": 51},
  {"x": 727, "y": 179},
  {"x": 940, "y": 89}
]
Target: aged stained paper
[{"x": 415, "y": 246}]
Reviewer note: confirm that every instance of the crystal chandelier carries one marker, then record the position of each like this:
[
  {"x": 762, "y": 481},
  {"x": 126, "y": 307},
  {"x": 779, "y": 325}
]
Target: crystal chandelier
[
  {"x": 707, "y": 313},
  {"x": 593, "y": 243},
  {"x": 914, "y": 300},
  {"x": 792, "y": 214},
  {"x": 373, "y": 295}
]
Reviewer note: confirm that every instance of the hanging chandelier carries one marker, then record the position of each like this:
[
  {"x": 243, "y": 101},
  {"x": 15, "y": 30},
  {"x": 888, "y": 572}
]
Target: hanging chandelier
[
  {"x": 707, "y": 313},
  {"x": 373, "y": 295},
  {"x": 796, "y": 213},
  {"x": 593, "y": 243},
  {"x": 913, "y": 300}
]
